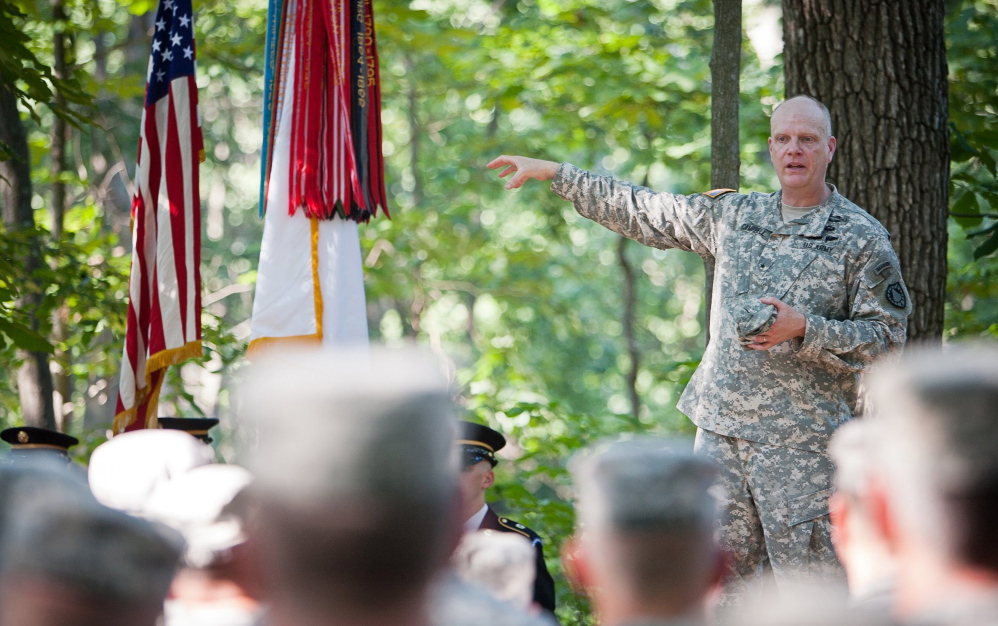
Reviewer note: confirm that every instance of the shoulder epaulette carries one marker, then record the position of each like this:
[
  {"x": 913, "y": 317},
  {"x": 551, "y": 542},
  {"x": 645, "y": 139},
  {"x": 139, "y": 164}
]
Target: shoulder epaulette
[
  {"x": 714, "y": 194},
  {"x": 517, "y": 527}
]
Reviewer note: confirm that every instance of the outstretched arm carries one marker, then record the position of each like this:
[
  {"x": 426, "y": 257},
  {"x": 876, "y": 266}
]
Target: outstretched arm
[
  {"x": 525, "y": 168},
  {"x": 657, "y": 219}
]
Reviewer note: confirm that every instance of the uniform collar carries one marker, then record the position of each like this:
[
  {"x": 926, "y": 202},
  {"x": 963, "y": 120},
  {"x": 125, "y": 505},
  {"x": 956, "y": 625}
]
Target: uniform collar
[
  {"x": 811, "y": 225},
  {"x": 473, "y": 522}
]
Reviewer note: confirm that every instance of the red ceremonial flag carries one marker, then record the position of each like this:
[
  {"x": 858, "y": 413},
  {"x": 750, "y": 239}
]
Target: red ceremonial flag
[{"x": 164, "y": 307}]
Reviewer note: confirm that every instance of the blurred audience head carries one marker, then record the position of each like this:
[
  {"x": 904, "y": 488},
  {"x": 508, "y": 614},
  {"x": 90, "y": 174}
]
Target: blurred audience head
[
  {"x": 40, "y": 474},
  {"x": 859, "y": 541},
  {"x": 125, "y": 470},
  {"x": 503, "y": 563},
  {"x": 355, "y": 481},
  {"x": 936, "y": 416},
  {"x": 66, "y": 560},
  {"x": 646, "y": 547},
  {"x": 219, "y": 579}
]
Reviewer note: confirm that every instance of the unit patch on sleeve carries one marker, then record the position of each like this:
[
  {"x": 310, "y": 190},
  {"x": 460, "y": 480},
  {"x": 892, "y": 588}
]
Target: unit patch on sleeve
[{"x": 896, "y": 295}]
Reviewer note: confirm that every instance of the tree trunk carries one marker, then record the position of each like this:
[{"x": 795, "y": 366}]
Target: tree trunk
[
  {"x": 61, "y": 382},
  {"x": 725, "y": 150},
  {"x": 630, "y": 301},
  {"x": 34, "y": 380},
  {"x": 880, "y": 67},
  {"x": 15, "y": 174}
]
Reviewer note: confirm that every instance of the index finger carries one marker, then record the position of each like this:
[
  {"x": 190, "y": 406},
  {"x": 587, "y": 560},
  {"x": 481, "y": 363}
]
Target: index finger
[{"x": 499, "y": 162}]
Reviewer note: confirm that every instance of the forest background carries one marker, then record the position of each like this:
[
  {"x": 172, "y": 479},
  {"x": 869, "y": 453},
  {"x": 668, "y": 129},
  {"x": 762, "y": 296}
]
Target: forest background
[{"x": 560, "y": 331}]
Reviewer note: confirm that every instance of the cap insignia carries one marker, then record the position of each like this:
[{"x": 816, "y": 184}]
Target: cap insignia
[{"x": 22, "y": 437}]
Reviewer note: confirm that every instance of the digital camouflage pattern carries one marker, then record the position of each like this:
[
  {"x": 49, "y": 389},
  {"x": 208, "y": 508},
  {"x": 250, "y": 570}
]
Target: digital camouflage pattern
[
  {"x": 774, "y": 500},
  {"x": 835, "y": 265}
]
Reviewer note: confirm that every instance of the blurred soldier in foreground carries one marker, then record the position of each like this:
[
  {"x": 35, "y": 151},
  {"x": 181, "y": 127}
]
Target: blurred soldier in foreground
[
  {"x": 645, "y": 548},
  {"x": 66, "y": 560},
  {"x": 503, "y": 563},
  {"x": 478, "y": 445},
  {"x": 936, "y": 415},
  {"x": 356, "y": 485},
  {"x": 218, "y": 584},
  {"x": 125, "y": 470},
  {"x": 859, "y": 540}
]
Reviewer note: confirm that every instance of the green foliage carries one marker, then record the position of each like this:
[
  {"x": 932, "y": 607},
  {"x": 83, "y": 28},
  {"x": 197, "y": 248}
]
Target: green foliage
[
  {"x": 974, "y": 121},
  {"x": 32, "y": 80},
  {"x": 72, "y": 273},
  {"x": 972, "y": 288}
]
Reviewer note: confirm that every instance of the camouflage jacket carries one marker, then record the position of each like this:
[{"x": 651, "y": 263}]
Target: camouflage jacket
[{"x": 835, "y": 265}]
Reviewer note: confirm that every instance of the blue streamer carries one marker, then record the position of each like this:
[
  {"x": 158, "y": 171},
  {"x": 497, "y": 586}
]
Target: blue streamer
[{"x": 272, "y": 53}]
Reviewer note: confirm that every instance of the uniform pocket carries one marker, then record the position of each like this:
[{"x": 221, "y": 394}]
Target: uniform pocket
[{"x": 808, "y": 507}]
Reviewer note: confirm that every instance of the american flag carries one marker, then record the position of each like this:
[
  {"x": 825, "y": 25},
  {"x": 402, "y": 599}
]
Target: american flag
[{"x": 164, "y": 307}]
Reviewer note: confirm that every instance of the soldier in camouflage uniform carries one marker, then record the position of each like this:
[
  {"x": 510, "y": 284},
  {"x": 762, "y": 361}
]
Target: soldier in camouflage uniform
[{"x": 807, "y": 294}]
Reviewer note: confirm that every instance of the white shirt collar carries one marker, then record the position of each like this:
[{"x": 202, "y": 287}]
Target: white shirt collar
[{"x": 475, "y": 520}]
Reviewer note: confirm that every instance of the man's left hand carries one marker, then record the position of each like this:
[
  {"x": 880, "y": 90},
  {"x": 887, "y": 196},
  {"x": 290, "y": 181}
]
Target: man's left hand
[{"x": 789, "y": 323}]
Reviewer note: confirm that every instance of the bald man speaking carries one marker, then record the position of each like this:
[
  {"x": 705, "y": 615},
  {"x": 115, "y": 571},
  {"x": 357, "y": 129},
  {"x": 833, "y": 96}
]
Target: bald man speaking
[{"x": 807, "y": 294}]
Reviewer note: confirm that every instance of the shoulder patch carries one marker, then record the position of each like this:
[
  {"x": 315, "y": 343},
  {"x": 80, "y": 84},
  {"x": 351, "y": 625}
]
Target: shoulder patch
[
  {"x": 714, "y": 194},
  {"x": 896, "y": 295},
  {"x": 517, "y": 527}
]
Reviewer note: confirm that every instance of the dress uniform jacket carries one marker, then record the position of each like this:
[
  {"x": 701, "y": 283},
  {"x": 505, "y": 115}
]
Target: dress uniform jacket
[
  {"x": 835, "y": 265},
  {"x": 543, "y": 583}
]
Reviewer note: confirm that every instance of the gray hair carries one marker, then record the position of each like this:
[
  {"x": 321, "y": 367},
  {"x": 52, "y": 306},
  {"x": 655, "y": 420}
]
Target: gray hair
[
  {"x": 354, "y": 471},
  {"x": 644, "y": 484},
  {"x": 91, "y": 548},
  {"x": 503, "y": 563},
  {"x": 646, "y": 513},
  {"x": 937, "y": 442}
]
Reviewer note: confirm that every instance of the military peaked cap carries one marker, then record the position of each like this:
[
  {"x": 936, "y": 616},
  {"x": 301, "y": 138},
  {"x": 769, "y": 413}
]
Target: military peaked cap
[
  {"x": 28, "y": 437},
  {"x": 479, "y": 443},
  {"x": 195, "y": 426}
]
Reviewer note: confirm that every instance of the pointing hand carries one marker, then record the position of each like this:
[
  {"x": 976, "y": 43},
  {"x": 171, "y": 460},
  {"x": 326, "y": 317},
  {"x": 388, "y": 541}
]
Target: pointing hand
[{"x": 525, "y": 168}]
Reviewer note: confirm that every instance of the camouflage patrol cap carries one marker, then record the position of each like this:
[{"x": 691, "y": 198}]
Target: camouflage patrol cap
[
  {"x": 645, "y": 484},
  {"x": 86, "y": 546},
  {"x": 935, "y": 410},
  {"x": 379, "y": 427},
  {"x": 752, "y": 318}
]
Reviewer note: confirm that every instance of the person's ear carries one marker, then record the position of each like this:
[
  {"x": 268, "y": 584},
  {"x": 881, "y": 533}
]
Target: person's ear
[
  {"x": 489, "y": 479},
  {"x": 838, "y": 512},
  {"x": 576, "y": 566},
  {"x": 722, "y": 564},
  {"x": 882, "y": 515},
  {"x": 831, "y": 147}
]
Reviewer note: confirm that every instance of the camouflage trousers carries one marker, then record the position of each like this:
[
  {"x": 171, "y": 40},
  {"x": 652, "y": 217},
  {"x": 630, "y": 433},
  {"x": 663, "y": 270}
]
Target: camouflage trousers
[{"x": 774, "y": 504}]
